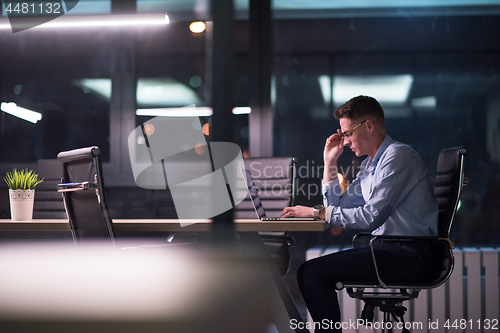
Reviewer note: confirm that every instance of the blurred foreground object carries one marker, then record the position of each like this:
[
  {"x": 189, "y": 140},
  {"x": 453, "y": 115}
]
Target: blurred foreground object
[{"x": 98, "y": 287}]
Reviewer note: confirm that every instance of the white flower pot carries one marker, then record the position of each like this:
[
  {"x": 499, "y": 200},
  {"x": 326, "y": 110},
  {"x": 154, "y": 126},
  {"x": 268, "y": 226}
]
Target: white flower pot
[{"x": 21, "y": 204}]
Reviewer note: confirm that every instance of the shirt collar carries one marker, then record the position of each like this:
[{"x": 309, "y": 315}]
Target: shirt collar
[{"x": 380, "y": 151}]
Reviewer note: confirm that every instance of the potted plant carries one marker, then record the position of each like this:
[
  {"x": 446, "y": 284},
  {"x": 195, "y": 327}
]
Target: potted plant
[{"x": 22, "y": 193}]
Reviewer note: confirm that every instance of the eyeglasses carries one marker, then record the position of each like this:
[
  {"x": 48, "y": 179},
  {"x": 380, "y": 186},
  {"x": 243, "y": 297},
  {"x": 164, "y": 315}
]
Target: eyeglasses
[{"x": 348, "y": 134}]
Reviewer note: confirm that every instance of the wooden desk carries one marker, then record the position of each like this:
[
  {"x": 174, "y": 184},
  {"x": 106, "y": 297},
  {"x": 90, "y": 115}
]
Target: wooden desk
[{"x": 167, "y": 225}]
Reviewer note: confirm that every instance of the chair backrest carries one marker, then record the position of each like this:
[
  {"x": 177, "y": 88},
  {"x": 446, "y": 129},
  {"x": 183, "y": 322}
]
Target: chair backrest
[
  {"x": 275, "y": 178},
  {"x": 48, "y": 203},
  {"x": 448, "y": 187},
  {"x": 83, "y": 192}
]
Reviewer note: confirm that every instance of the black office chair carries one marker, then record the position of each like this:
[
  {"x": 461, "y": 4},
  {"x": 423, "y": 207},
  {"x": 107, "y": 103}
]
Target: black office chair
[
  {"x": 48, "y": 203},
  {"x": 83, "y": 193},
  {"x": 275, "y": 177},
  {"x": 449, "y": 182}
]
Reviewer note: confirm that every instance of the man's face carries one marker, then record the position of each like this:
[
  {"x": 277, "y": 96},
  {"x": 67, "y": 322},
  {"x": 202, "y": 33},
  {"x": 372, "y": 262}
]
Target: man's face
[{"x": 355, "y": 138}]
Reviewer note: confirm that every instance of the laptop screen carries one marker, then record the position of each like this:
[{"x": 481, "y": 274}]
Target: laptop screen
[{"x": 254, "y": 196}]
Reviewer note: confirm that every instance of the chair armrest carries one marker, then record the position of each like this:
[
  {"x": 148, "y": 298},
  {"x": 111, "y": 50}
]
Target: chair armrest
[
  {"x": 412, "y": 239},
  {"x": 72, "y": 187},
  {"x": 403, "y": 240},
  {"x": 367, "y": 239},
  {"x": 280, "y": 238},
  {"x": 361, "y": 239}
]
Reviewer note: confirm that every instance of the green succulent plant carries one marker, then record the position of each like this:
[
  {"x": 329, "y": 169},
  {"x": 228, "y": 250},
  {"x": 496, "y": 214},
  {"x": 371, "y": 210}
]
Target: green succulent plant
[{"x": 22, "y": 180}]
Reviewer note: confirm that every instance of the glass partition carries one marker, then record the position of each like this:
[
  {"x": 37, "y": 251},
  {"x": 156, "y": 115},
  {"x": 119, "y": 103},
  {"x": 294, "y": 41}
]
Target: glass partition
[
  {"x": 434, "y": 69},
  {"x": 68, "y": 89},
  {"x": 84, "y": 84}
]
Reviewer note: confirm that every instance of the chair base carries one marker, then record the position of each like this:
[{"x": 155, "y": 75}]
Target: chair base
[{"x": 389, "y": 303}]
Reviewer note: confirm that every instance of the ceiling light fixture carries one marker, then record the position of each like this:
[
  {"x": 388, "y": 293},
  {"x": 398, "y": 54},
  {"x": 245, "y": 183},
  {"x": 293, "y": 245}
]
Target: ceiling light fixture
[
  {"x": 151, "y": 92},
  {"x": 197, "y": 27},
  {"x": 69, "y": 21},
  {"x": 325, "y": 83},
  {"x": 176, "y": 112},
  {"x": 428, "y": 102},
  {"x": 391, "y": 89},
  {"x": 17, "y": 111},
  {"x": 242, "y": 110},
  {"x": 189, "y": 111}
]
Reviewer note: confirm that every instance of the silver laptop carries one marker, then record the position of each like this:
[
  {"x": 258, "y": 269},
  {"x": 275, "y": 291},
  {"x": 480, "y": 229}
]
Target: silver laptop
[{"x": 257, "y": 203}]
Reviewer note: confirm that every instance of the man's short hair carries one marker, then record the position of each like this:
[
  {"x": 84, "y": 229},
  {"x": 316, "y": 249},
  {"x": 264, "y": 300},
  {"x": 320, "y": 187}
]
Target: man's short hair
[{"x": 361, "y": 108}]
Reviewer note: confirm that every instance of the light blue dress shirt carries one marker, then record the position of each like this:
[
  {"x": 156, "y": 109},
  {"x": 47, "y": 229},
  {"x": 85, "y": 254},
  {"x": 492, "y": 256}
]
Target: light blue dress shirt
[{"x": 391, "y": 195}]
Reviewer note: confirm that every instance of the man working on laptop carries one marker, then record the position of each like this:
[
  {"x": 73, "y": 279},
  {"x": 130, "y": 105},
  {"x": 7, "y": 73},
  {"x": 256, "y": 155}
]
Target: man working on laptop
[{"x": 391, "y": 195}]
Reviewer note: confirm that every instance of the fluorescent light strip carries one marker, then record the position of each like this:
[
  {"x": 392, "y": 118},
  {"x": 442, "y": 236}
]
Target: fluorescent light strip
[
  {"x": 428, "y": 102},
  {"x": 187, "y": 111},
  {"x": 325, "y": 83},
  {"x": 100, "y": 21},
  {"x": 25, "y": 114},
  {"x": 242, "y": 110},
  {"x": 176, "y": 112},
  {"x": 385, "y": 88}
]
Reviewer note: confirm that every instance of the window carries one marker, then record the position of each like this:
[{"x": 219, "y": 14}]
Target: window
[
  {"x": 53, "y": 83},
  {"x": 439, "y": 71}
]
